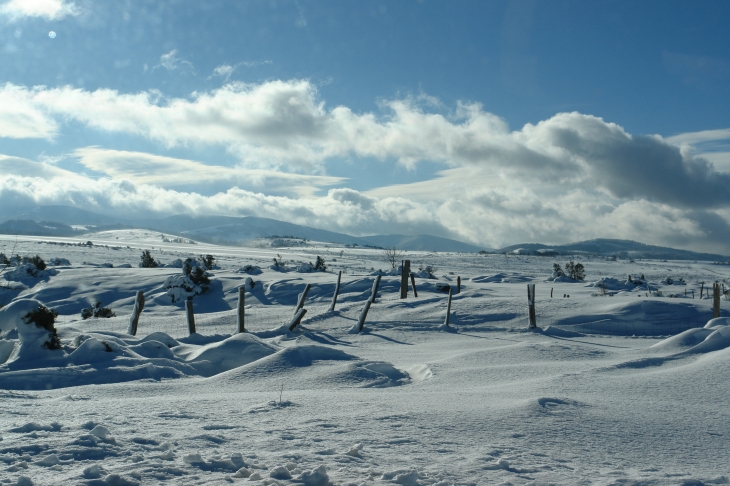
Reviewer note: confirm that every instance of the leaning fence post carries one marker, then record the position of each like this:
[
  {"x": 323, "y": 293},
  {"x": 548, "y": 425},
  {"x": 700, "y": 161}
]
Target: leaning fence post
[
  {"x": 458, "y": 285},
  {"x": 531, "y": 303},
  {"x": 337, "y": 291},
  {"x": 405, "y": 271},
  {"x": 241, "y": 308},
  {"x": 448, "y": 309},
  {"x": 297, "y": 319},
  {"x": 413, "y": 284},
  {"x": 363, "y": 315},
  {"x": 374, "y": 290},
  {"x": 302, "y": 296},
  {"x": 191, "y": 315},
  {"x": 716, "y": 301},
  {"x": 134, "y": 318}
]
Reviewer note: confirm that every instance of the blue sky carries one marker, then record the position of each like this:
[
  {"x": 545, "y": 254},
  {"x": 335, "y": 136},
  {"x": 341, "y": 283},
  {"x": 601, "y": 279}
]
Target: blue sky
[{"x": 489, "y": 122}]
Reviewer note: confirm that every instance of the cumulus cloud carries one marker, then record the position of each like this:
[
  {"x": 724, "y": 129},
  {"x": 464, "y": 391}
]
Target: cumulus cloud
[
  {"x": 285, "y": 124},
  {"x": 48, "y": 9}
]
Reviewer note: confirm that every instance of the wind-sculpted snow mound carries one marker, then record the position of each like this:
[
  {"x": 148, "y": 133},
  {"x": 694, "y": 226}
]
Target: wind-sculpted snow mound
[
  {"x": 96, "y": 358},
  {"x": 503, "y": 278}
]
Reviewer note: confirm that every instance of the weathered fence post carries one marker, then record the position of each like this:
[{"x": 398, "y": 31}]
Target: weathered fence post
[
  {"x": 241, "y": 308},
  {"x": 413, "y": 284},
  {"x": 702, "y": 288},
  {"x": 302, "y": 296},
  {"x": 458, "y": 285},
  {"x": 337, "y": 291},
  {"x": 297, "y": 319},
  {"x": 448, "y": 309},
  {"x": 374, "y": 290},
  {"x": 551, "y": 292},
  {"x": 134, "y": 318},
  {"x": 405, "y": 271},
  {"x": 191, "y": 315},
  {"x": 531, "y": 303},
  {"x": 363, "y": 315},
  {"x": 693, "y": 293},
  {"x": 716, "y": 301}
]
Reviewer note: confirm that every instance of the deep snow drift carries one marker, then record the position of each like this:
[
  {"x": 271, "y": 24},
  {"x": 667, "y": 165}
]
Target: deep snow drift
[{"x": 616, "y": 387}]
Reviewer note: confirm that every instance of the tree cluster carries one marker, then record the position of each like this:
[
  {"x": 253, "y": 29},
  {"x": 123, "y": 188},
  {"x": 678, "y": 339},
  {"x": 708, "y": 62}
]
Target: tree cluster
[{"x": 573, "y": 270}]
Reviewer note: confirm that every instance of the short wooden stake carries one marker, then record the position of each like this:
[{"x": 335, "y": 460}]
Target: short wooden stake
[
  {"x": 413, "y": 284},
  {"x": 551, "y": 292},
  {"x": 448, "y": 310},
  {"x": 297, "y": 319},
  {"x": 716, "y": 301},
  {"x": 531, "y": 303},
  {"x": 458, "y": 285},
  {"x": 302, "y": 297},
  {"x": 241, "y": 308},
  {"x": 693, "y": 293},
  {"x": 191, "y": 315},
  {"x": 702, "y": 289},
  {"x": 405, "y": 271},
  {"x": 134, "y": 318},
  {"x": 374, "y": 290},
  {"x": 337, "y": 291},
  {"x": 363, "y": 315}
]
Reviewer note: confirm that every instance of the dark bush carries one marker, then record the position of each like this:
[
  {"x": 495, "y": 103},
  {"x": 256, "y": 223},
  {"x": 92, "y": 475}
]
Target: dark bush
[
  {"x": 97, "y": 311},
  {"x": 148, "y": 260},
  {"x": 38, "y": 262},
  {"x": 208, "y": 261},
  {"x": 199, "y": 277},
  {"x": 45, "y": 318},
  {"x": 320, "y": 266}
]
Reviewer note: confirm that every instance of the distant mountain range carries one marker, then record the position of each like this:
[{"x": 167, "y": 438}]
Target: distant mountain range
[
  {"x": 608, "y": 248},
  {"x": 227, "y": 230},
  {"x": 224, "y": 230}
]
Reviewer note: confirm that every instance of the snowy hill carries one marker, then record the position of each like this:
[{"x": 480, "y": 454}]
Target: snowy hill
[{"x": 610, "y": 247}]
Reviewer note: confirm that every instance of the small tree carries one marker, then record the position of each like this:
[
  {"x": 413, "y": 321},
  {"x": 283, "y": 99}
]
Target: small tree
[
  {"x": 576, "y": 271},
  {"x": 391, "y": 256},
  {"x": 208, "y": 261},
  {"x": 45, "y": 318},
  {"x": 148, "y": 260},
  {"x": 38, "y": 262},
  {"x": 97, "y": 311},
  {"x": 199, "y": 277},
  {"x": 557, "y": 270},
  {"x": 320, "y": 266}
]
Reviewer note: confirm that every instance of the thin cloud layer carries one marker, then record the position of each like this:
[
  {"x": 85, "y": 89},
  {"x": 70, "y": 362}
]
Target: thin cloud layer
[{"x": 490, "y": 216}]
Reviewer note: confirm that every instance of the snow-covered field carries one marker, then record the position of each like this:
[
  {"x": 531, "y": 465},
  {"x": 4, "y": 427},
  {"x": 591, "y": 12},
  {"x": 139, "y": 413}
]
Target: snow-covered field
[{"x": 408, "y": 401}]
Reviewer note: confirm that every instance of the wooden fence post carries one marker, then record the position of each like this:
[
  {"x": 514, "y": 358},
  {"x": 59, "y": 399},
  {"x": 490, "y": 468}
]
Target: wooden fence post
[
  {"x": 531, "y": 303},
  {"x": 337, "y": 291},
  {"x": 448, "y": 310},
  {"x": 551, "y": 292},
  {"x": 134, "y": 318},
  {"x": 716, "y": 301},
  {"x": 413, "y": 284},
  {"x": 702, "y": 288},
  {"x": 302, "y": 296},
  {"x": 693, "y": 293},
  {"x": 363, "y": 315},
  {"x": 297, "y": 319},
  {"x": 405, "y": 271},
  {"x": 374, "y": 290},
  {"x": 241, "y": 308},
  {"x": 458, "y": 285},
  {"x": 191, "y": 315}
]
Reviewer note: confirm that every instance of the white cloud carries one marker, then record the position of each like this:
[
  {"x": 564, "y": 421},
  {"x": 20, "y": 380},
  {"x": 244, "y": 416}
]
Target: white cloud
[
  {"x": 171, "y": 61},
  {"x": 145, "y": 168},
  {"x": 284, "y": 124},
  {"x": 48, "y": 9},
  {"x": 226, "y": 70},
  {"x": 21, "y": 118}
]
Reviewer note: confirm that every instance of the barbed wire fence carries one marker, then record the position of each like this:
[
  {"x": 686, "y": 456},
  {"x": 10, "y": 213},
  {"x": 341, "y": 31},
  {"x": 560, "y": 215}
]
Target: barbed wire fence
[{"x": 426, "y": 311}]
